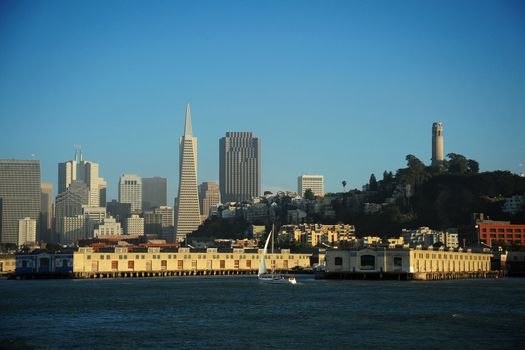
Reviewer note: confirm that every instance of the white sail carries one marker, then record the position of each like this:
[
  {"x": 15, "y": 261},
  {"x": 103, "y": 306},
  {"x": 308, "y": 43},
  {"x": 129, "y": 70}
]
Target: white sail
[{"x": 262, "y": 264}]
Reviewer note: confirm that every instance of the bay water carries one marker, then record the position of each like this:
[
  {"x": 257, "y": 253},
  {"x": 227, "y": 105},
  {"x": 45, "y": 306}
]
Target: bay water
[{"x": 239, "y": 312}]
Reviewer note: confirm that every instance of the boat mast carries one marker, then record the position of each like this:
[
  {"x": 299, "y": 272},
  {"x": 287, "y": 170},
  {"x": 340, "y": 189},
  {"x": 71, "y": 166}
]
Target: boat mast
[{"x": 271, "y": 261}]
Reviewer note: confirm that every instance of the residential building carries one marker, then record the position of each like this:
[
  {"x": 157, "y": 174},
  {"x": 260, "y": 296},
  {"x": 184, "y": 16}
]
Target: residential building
[
  {"x": 425, "y": 237},
  {"x": 154, "y": 192},
  {"x": 210, "y": 197},
  {"x": 135, "y": 225},
  {"x": 26, "y": 231},
  {"x": 500, "y": 233},
  {"x": 166, "y": 214},
  {"x": 130, "y": 191},
  {"x": 20, "y": 196},
  {"x": 315, "y": 183},
  {"x": 188, "y": 211},
  {"x": 239, "y": 167},
  {"x": 514, "y": 205}
]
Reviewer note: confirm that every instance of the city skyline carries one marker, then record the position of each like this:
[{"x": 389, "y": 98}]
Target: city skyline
[{"x": 354, "y": 89}]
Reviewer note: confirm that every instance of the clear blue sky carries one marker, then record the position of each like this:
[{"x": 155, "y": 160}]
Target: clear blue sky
[{"x": 338, "y": 88}]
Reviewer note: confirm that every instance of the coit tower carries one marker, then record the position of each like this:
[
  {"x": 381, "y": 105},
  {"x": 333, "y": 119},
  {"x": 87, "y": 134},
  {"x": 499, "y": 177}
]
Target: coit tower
[{"x": 437, "y": 144}]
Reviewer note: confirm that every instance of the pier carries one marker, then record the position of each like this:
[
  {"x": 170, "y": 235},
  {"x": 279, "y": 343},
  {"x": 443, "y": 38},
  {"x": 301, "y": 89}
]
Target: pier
[{"x": 404, "y": 276}]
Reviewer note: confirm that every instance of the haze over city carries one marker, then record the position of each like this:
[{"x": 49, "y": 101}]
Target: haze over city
[{"x": 342, "y": 89}]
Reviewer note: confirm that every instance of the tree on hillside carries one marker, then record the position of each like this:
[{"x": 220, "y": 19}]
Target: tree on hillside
[
  {"x": 457, "y": 164},
  {"x": 309, "y": 194},
  {"x": 372, "y": 183},
  {"x": 415, "y": 174}
]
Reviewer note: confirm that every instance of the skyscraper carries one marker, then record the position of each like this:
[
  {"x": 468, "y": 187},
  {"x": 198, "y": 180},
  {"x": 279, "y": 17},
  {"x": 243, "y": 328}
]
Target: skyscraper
[
  {"x": 85, "y": 171},
  {"x": 239, "y": 166},
  {"x": 312, "y": 182},
  {"x": 130, "y": 191},
  {"x": 437, "y": 144},
  {"x": 188, "y": 213},
  {"x": 46, "y": 212},
  {"x": 209, "y": 196},
  {"x": 154, "y": 192},
  {"x": 19, "y": 195}
]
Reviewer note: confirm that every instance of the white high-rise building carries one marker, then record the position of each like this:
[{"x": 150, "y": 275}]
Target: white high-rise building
[
  {"x": 85, "y": 171},
  {"x": 135, "y": 225},
  {"x": 312, "y": 182},
  {"x": 130, "y": 191},
  {"x": 26, "y": 231},
  {"x": 188, "y": 211}
]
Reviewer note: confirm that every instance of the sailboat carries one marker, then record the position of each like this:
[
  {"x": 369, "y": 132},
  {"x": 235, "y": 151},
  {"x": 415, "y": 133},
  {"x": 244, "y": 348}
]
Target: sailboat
[{"x": 271, "y": 277}]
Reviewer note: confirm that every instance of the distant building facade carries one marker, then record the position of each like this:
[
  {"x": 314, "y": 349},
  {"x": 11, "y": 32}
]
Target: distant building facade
[
  {"x": 26, "y": 231},
  {"x": 120, "y": 211},
  {"x": 130, "y": 191},
  {"x": 210, "y": 197},
  {"x": 310, "y": 182},
  {"x": 135, "y": 225},
  {"x": 500, "y": 232},
  {"x": 46, "y": 212},
  {"x": 406, "y": 260},
  {"x": 154, "y": 192},
  {"x": 239, "y": 166},
  {"x": 20, "y": 196},
  {"x": 188, "y": 211},
  {"x": 110, "y": 227},
  {"x": 86, "y": 172}
]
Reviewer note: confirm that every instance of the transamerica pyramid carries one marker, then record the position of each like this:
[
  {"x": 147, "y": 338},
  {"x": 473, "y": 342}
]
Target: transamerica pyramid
[{"x": 187, "y": 218}]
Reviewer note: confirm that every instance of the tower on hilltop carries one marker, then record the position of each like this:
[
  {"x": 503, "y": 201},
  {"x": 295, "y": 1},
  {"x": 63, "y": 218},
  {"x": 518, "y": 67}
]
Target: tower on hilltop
[
  {"x": 437, "y": 144},
  {"x": 188, "y": 213}
]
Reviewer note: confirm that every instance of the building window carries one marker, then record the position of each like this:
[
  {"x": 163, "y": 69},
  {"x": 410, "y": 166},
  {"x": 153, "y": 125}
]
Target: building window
[
  {"x": 89, "y": 257},
  {"x": 398, "y": 262},
  {"x": 368, "y": 262},
  {"x": 338, "y": 261}
]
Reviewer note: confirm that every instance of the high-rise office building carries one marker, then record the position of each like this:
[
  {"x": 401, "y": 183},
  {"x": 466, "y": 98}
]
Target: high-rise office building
[
  {"x": 188, "y": 213},
  {"x": 209, "y": 196},
  {"x": 46, "y": 212},
  {"x": 130, "y": 191},
  {"x": 85, "y": 171},
  {"x": 67, "y": 204},
  {"x": 312, "y": 182},
  {"x": 154, "y": 192},
  {"x": 73, "y": 228},
  {"x": 437, "y": 144},
  {"x": 239, "y": 166},
  {"x": 120, "y": 211},
  {"x": 26, "y": 231},
  {"x": 20, "y": 195}
]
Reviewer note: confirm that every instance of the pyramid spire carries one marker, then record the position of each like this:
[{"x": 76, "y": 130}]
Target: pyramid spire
[{"x": 187, "y": 126}]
